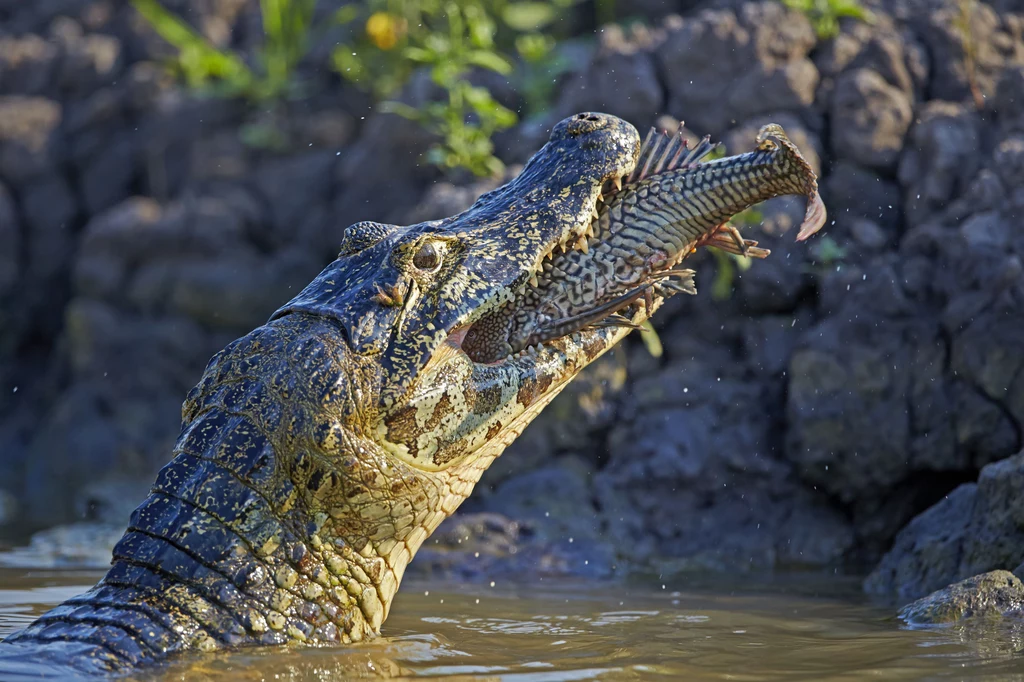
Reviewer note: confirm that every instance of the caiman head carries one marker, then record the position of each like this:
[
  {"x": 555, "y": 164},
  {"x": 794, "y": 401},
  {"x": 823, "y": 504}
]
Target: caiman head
[
  {"x": 440, "y": 376},
  {"x": 409, "y": 296}
]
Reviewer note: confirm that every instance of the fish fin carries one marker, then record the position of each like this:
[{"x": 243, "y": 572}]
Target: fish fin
[
  {"x": 662, "y": 152},
  {"x": 727, "y": 238}
]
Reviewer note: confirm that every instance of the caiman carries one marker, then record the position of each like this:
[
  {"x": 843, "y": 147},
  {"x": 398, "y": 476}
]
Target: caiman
[{"x": 318, "y": 452}]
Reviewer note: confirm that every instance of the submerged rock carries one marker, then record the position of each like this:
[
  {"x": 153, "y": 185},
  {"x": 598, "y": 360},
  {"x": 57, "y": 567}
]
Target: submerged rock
[
  {"x": 77, "y": 545},
  {"x": 976, "y": 528},
  {"x": 995, "y": 594}
]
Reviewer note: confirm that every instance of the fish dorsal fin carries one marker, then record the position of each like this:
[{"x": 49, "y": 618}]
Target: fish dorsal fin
[{"x": 663, "y": 151}]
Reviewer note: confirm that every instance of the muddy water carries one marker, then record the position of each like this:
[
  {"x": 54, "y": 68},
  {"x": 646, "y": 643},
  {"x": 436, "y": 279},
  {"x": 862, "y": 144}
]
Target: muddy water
[{"x": 792, "y": 629}]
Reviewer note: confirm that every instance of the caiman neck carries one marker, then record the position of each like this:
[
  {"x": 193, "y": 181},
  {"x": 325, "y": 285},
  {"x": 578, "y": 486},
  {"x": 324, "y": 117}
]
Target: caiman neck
[{"x": 275, "y": 521}]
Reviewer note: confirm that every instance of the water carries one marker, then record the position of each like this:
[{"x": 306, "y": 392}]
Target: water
[{"x": 796, "y": 629}]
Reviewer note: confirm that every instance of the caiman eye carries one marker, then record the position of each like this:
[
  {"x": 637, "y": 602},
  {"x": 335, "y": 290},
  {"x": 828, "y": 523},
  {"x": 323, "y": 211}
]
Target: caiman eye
[{"x": 428, "y": 258}]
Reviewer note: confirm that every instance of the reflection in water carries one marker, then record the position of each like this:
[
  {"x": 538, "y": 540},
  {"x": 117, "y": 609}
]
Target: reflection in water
[{"x": 602, "y": 631}]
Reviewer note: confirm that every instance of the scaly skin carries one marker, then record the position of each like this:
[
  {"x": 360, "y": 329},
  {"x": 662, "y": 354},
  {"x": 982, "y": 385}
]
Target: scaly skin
[{"x": 318, "y": 452}]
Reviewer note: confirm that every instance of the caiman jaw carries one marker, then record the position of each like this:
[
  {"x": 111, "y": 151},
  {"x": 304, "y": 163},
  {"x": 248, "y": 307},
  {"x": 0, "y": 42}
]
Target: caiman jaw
[{"x": 468, "y": 337}]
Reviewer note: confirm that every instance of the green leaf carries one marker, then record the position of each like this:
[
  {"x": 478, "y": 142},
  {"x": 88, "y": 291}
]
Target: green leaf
[
  {"x": 534, "y": 47},
  {"x": 651, "y": 339},
  {"x": 528, "y": 16},
  {"x": 725, "y": 275},
  {"x": 489, "y": 60},
  {"x": 400, "y": 108},
  {"x": 419, "y": 54},
  {"x": 345, "y": 15}
]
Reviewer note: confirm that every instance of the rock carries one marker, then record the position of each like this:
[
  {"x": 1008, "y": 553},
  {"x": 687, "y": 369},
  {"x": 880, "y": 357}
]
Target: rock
[
  {"x": 113, "y": 242},
  {"x": 10, "y": 247},
  {"x": 1009, "y": 100},
  {"x": 107, "y": 177},
  {"x": 368, "y": 187},
  {"x": 872, "y": 406},
  {"x": 852, "y": 192},
  {"x": 986, "y": 230},
  {"x": 621, "y": 79},
  {"x": 192, "y": 258},
  {"x": 984, "y": 352},
  {"x": 74, "y": 546},
  {"x": 977, "y": 528},
  {"x": 724, "y": 66},
  {"x": 869, "y": 234},
  {"x": 29, "y": 141},
  {"x": 236, "y": 293},
  {"x": 296, "y": 190},
  {"x": 8, "y": 507},
  {"x": 688, "y": 446},
  {"x": 1008, "y": 161},
  {"x": 769, "y": 341},
  {"x": 869, "y": 119},
  {"x": 555, "y": 499},
  {"x": 27, "y": 64},
  {"x": 880, "y": 47},
  {"x": 51, "y": 211},
  {"x": 775, "y": 285},
  {"x": 445, "y": 199},
  {"x": 994, "y": 594},
  {"x": 487, "y": 547},
  {"x": 940, "y": 159},
  {"x": 90, "y": 61},
  {"x": 967, "y": 56}
]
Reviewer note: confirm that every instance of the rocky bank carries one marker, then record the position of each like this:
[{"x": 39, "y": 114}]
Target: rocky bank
[{"x": 834, "y": 410}]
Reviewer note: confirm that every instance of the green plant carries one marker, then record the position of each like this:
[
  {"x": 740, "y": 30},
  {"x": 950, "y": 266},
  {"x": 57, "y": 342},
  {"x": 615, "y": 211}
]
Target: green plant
[
  {"x": 827, "y": 251},
  {"x": 963, "y": 24},
  {"x": 541, "y": 65},
  {"x": 725, "y": 272},
  {"x": 652, "y": 342},
  {"x": 467, "y": 118},
  {"x": 392, "y": 38},
  {"x": 286, "y": 28},
  {"x": 824, "y": 15}
]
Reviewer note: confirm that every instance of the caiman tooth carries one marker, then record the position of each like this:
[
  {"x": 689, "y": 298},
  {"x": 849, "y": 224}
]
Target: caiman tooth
[
  {"x": 581, "y": 244},
  {"x": 533, "y": 281},
  {"x": 618, "y": 185},
  {"x": 593, "y": 213}
]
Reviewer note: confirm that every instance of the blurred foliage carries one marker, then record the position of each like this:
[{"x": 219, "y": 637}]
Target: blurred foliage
[
  {"x": 652, "y": 342},
  {"x": 389, "y": 41},
  {"x": 727, "y": 265},
  {"x": 824, "y": 15},
  {"x": 468, "y": 115},
  {"x": 964, "y": 26},
  {"x": 204, "y": 67},
  {"x": 827, "y": 251},
  {"x": 394, "y": 38}
]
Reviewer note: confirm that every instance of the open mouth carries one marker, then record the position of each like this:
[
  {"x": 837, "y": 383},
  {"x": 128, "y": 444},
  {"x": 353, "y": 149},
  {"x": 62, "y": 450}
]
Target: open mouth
[{"x": 606, "y": 271}]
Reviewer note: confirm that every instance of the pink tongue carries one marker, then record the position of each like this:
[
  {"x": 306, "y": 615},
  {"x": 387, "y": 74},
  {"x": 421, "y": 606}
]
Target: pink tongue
[{"x": 814, "y": 217}]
